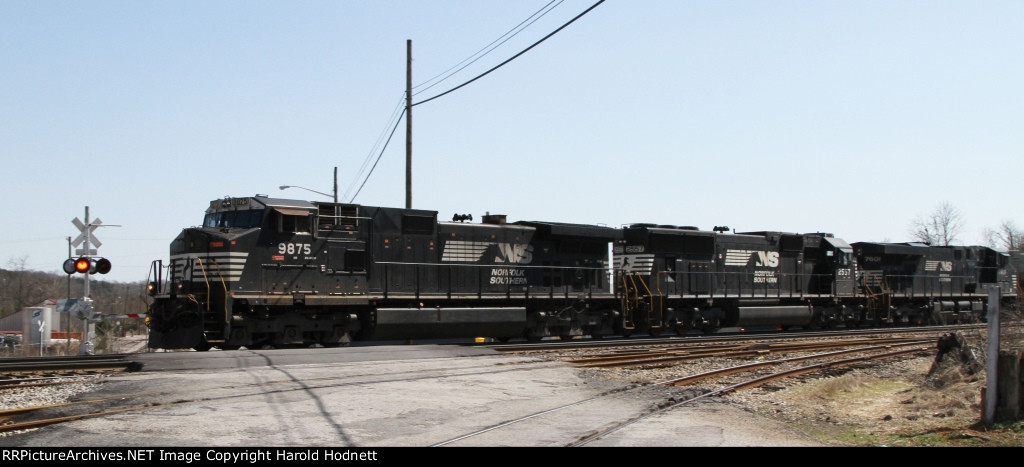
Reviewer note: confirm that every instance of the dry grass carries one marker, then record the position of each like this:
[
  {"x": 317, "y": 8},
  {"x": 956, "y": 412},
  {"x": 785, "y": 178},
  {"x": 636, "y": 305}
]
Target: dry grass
[{"x": 915, "y": 402}]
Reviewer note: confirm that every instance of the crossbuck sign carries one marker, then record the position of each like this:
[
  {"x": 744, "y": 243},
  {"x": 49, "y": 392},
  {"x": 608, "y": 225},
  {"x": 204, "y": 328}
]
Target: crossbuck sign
[{"x": 86, "y": 231}]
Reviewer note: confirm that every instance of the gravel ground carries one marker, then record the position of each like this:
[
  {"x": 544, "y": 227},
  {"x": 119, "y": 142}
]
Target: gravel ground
[
  {"x": 16, "y": 398},
  {"x": 873, "y": 405},
  {"x": 56, "y": 394},
  {"x": 889, "y": 403}
]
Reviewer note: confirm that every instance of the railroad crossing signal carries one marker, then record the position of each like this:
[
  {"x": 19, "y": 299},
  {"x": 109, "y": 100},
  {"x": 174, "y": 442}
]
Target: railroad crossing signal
[{"x": 87, "y": 265}]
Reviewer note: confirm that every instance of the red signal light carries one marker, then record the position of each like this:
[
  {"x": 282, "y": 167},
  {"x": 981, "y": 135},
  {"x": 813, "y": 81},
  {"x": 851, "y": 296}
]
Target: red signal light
[{"x": 83, "y": 265}]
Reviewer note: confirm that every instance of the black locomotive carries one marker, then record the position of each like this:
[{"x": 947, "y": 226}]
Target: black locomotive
[
  {"x": 276, "y": 272},
  {"x": 264, "y": 271},
  {"x": 684, "y": 279}
]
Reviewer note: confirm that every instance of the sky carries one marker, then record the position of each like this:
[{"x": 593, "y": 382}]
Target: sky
[{"x": 848, "y": 117}]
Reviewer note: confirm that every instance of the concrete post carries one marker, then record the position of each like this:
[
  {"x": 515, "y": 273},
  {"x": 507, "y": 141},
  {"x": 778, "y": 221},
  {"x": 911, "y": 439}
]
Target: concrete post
[
  {"x": 991, "y": 357},
  {"x": 1008, "y": 393}
]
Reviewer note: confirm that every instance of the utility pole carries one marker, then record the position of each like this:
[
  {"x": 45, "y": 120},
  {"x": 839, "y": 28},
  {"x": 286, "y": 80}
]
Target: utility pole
[
  {"x": 85, "y": 347},
  {"x": 67, "y": 319},
  {"x": 408, "y": 124}
]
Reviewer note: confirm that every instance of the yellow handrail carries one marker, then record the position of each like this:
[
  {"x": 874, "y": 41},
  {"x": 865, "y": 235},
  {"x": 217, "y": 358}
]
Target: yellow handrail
[{"x": 223, "y": 285}]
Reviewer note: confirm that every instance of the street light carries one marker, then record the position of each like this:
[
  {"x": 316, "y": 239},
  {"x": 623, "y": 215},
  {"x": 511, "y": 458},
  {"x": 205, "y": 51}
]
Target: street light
[{"x": 335, "y": 196}]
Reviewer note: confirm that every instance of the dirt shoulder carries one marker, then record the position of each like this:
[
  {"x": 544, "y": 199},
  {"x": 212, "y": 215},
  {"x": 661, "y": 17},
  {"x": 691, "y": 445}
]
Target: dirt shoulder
[
  {"x": 910, "y": 401},
  {"x": 899, "y": 404}
]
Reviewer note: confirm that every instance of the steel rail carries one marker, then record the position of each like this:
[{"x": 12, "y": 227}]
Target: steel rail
[
  {"x": 666, "y": 356},
  {"x": 744, "y": 384}
]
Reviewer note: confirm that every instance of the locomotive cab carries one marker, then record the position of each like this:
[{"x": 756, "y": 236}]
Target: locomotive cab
[
  {"x": 996, "y": 269},
  {"x": 841, "y": 264},
  {"x": 210, "y": 264}
]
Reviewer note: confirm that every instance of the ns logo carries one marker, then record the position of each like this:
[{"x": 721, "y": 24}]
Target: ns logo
[
  {"x": 740, "y": 258},
  {"x": 514, "y": 253},
  {"x": 767, "y": 259}
]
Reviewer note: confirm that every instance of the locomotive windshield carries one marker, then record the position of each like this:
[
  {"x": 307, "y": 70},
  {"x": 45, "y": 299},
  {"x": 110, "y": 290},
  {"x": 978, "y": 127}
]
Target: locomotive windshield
[{"x": 234, "y": 219}]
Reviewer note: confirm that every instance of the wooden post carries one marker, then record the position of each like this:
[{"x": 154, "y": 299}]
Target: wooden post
[{"x": 408, "y": 124}]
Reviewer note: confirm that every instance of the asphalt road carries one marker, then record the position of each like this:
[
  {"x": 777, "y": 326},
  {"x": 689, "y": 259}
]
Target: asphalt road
[{"x": 389, "y": 396}]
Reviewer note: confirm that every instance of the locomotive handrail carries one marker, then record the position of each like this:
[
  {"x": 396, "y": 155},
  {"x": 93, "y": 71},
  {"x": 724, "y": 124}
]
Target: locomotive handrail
[
  {"x": 930, "y": 288},
  {"x": 206, "y": 280},
  {"x": 202, "y": 268},
  {"x": 627, "y": 309},
  {"x": 741, "y": 285},
  {"x": 156, "y": 273},
  {"x": 564, "y": 291},
  {"x": 224, "y": 285},
  {"x": 625, "y": 286},
  {"x": 484, "y": 266}
]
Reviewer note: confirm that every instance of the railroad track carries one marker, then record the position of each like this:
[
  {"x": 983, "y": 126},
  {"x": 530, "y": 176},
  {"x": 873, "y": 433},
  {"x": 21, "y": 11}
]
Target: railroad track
[
  {"x": 868, "y": 353},
  {"x": 38, "y": 373},
  {"x": 11, "y": 368},
  {"x": 720, "y": 337},
  {"x": 815, "y": 357},
  {"x": 673, "y": 355}
]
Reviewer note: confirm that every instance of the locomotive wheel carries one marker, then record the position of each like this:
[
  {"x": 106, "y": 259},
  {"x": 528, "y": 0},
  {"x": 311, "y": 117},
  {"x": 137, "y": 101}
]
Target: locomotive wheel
[
  {"x": 625, "y": 328},
  {"x": 202, "y": 346},
  {"x": 711, "y": 326},
  {"x": 565, "y": 337}
]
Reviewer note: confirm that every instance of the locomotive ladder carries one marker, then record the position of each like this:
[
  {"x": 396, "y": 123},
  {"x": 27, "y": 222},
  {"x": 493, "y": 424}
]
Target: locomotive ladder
[
  {"x": 652, "y": 306},
  {"x": 214, "y": 326},
  {"x": 880, "y": 301}
]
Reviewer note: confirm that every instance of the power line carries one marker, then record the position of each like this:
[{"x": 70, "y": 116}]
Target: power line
[
  {"x": 493, "y": 45},
  {"x": 396, "y": 114},
  {"x": 395, "y": 127},
  {"x": 378, "y": 156},
  {"x": 514, "y": 56}
]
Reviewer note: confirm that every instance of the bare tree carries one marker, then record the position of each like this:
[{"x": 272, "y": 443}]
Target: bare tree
[
  {"x": 1007, "y": 236},
  {"x": 940, "y": 228},
  {"x": 21, "y": 288}
]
